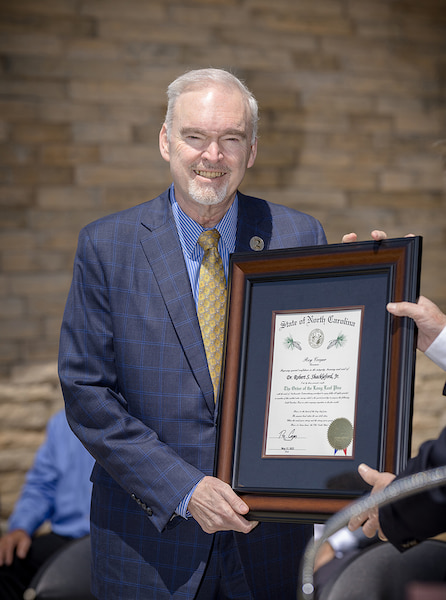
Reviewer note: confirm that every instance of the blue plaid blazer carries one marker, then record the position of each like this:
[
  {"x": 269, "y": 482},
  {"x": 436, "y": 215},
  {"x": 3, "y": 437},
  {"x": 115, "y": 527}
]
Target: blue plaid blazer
[{"x": 139, "y": 396}]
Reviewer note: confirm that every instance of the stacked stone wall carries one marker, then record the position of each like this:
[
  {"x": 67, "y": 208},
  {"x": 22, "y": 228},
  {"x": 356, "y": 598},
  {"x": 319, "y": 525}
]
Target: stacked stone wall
[{"x": 353, "y": 113}]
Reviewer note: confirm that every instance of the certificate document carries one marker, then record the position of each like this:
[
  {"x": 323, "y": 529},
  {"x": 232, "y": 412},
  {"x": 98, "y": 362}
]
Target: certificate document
[{"x": 312, "y": 389}]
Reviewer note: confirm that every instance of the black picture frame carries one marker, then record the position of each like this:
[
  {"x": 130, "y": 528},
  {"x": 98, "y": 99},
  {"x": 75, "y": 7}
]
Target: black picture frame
[{"x": 367, "y": 274}]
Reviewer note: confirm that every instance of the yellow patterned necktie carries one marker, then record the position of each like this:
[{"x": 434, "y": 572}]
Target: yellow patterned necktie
[{"x": 212, "y": 303}]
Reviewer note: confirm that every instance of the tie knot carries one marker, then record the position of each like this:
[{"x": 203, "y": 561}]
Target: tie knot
[{"x": 209, "y": 239}]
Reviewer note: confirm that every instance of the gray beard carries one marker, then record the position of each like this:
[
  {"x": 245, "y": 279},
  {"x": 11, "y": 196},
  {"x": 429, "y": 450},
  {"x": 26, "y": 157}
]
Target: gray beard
[{"x": 207, "y": 196}]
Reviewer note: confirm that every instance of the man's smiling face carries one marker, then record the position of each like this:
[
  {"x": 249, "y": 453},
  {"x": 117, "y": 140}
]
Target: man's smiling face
[{"x": 209, "y": 146}]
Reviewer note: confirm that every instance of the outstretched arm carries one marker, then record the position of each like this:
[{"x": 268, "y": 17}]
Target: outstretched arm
[{"x": 427, "y": 316}]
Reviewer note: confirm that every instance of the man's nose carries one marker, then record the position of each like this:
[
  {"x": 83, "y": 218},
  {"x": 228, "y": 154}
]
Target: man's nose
[{"x": 213, "y": 151}]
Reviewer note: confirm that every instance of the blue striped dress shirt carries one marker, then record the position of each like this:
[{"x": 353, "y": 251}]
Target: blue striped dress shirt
[{"x": 189, "y": 231}]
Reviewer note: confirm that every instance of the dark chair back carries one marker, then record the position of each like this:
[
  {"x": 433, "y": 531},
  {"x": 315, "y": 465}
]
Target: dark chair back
[
  {"x": 382, "y": 572},
  {"x": 64, "y": 576}
]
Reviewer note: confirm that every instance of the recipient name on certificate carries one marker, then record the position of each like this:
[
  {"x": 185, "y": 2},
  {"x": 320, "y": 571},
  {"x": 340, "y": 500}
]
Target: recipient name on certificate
[{"x": 314, "y": 365}]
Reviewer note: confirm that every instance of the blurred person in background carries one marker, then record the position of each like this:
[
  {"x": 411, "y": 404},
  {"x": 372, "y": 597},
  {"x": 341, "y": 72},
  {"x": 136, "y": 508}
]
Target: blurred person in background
[{"x": 57, "y": 490}]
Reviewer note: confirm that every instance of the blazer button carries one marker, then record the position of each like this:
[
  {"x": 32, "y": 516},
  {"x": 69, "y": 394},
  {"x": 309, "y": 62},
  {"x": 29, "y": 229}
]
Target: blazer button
[{"x": 149, "y": 512}]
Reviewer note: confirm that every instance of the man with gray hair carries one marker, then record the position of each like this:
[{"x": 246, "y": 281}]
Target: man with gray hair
[{"x": 140, "y": 359}]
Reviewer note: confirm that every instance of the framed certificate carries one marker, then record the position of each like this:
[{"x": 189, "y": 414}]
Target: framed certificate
[{"x": 318, "y": 377}]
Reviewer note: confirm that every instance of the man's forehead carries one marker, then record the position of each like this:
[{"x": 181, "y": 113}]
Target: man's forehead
[
  {"x": 196, "y": 106},
  {"x": 227, "y": 96}
]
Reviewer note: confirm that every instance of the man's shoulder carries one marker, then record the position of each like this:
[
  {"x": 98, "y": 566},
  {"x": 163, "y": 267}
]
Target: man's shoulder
[
  {"x": 277, "y": 225},
  {"x": 155, "y": 208},
  {"x": 273, "y": 208}
]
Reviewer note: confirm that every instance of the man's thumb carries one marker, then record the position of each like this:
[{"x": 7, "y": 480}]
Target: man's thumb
[{"x": 367, "y": 473}]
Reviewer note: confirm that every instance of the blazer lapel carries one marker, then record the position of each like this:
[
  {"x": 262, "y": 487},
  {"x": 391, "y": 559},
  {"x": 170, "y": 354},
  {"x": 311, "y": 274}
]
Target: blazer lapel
[
  {"x": 254, "y": 226},
  {"x": 163, "y": 251}
]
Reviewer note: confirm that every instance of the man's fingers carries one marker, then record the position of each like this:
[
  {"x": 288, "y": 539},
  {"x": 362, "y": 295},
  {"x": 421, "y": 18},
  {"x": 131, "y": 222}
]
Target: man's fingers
[
  {"x": 368, "y": 474},
  {"x": 356, "y": 522},
  {"x": 234, "y": 501},
  {"x": 349, "y": 237},
  {"x": 216, "y": 507},
  {"x": 378, "y": 235},
  {"x": 403, "y": 309},
  {"x": 23, "y": 547}
]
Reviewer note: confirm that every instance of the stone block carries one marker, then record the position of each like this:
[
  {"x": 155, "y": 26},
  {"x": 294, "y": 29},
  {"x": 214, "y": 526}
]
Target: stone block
[
  {"x": 11, "y": 308},
  {"x": 36, "y": 175},
  {"x": 61, "y": 221},
  {"x": 291, "y": 19},
  {"x": 43, "y": 7},
  {"x": 335, "y": 178},
  {"x": 17, "y": 240},
  {"x": 164, "y": 32},
  {"x": 16, "y": 460},
  {"x": 68, "y": 198},
  {"x": 398, "y": 199},
  {"x": 32, "y": 133},
  {"x": 17, "y": 154},
  {"x": 28, "y": 261},
  {"x": 305, "y": 200},
  {"x": 126, "y": 10},
  {"x": 418, "y": 123},
  {"x": 101, "y": 132},
  {"x": 43, "y": 350},
  {"x": 130, "y": 154},
  {"x": 4, "y": 131},
  {"x": 51, "y": 305},
  {"x": 266, "y": 40},
  {"x": 114, "y": 92},
  {"x": 57, "y": 26},
  {"x": 311, "y": 122},
  {"x": 30, "y": 44},
  {"x": 15, "y": 197},
  {"x": 119, "y": 176},
  {"x": 93, "y": 48},
  {"x": 31, "y": 285},
  {"x": 15, "y": 110},
  {"x": 12, "y": 218},
  {"x": 19, "y": 329},
  {"x": 138, "y": 115},
  {"x": 68, "y": 154},
  {"x": 397, "y": 181},
  {"x": 10, "y": 354},
  {"x": 34, "y": 90},
  {"x": 118, "y": 199},
  {"x": 338, "y": 103},
  {"x": 69, "y": 111}
]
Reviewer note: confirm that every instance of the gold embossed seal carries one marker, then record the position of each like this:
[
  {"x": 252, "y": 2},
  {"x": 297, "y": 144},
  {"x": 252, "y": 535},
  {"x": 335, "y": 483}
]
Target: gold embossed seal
[{"x": 340, "y": 434}]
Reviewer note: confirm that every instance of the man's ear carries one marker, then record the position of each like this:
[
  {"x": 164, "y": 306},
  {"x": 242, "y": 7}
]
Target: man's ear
[
  {"x": 252, "y": 155},
  {"x": 164, "y": 143}
]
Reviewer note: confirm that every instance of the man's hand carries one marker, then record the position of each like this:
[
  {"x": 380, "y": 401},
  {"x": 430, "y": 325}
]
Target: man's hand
[
  {"x": 370, "y": 520},
  {"x": 17, "y": 541},
  {"x": 427, "y": 316},
  {"x": 376, "y": 234},
  {"x": 216, "y": 507}
]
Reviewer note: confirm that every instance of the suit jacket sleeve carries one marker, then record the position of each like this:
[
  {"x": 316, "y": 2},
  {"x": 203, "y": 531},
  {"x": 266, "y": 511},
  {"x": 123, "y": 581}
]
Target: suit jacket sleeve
[
  {"x": 409, "y": 521},
  {"x": 104, "y": 373}
]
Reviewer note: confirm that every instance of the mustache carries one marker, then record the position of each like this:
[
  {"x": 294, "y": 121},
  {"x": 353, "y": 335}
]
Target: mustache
[{"x": 207, "y": 166}]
